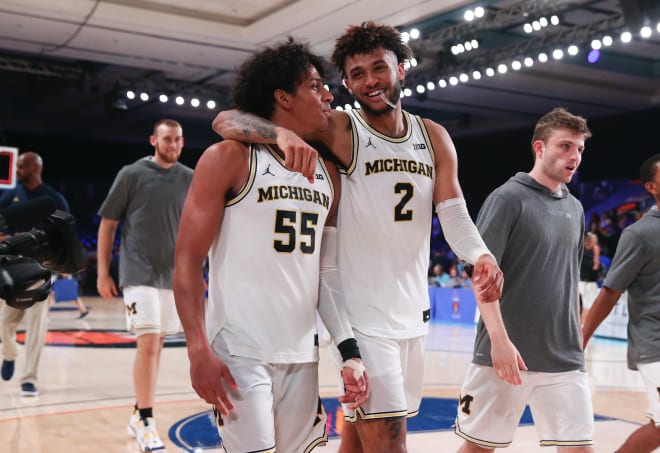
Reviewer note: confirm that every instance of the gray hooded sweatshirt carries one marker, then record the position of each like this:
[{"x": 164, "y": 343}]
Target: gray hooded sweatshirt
[{"x": 536, "y": 237}]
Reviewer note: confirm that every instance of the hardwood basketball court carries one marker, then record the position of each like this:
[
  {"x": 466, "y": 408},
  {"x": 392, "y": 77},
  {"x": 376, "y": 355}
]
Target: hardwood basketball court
[{"x": 86, "y": 391}]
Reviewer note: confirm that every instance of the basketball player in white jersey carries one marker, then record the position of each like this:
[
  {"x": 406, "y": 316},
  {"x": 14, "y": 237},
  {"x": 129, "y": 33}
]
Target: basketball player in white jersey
[
  {"x": 396, "y": 166},
  {"x": 271, "y": 241}
]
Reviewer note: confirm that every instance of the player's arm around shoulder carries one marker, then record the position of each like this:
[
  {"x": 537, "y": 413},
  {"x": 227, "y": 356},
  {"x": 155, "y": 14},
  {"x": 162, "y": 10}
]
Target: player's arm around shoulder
[{"x": 337, "y": 137}]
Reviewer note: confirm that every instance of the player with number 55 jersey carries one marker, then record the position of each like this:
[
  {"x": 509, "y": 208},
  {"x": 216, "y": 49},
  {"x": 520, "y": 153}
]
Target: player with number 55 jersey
[{"x": 270, "y": 236}]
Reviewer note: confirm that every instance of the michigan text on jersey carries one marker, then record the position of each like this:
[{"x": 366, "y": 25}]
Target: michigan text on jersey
[
  {"x": 397, "y": 165},
  {"x": 293, "y": 193}
]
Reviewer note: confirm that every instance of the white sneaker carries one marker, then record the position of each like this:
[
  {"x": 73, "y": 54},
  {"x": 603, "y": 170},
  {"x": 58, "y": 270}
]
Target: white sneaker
[
  {"x": 144, "y": 431},
  {"x": 133, "y": 423}
]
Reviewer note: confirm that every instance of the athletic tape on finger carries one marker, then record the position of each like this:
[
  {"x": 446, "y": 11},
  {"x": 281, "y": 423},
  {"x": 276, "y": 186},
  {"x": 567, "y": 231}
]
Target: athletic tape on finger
[{"x": 357, "y": 367}]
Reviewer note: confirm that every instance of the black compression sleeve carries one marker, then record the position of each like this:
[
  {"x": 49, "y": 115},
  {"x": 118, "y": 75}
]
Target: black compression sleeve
[{"x": 349, "y": 349}]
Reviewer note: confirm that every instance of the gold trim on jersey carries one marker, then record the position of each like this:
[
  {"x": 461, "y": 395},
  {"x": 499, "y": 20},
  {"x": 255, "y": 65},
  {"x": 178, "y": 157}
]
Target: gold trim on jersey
[
  {"x": 474, "y": 440},
  {"x": 566, "y": 443},
  {"x": 279, "y": 159},
  {"x": 252, "y": 174},
  {"x": 327, "y": 176},
  {"x": 321, "y": 417},
  {"x": 406, "y": 119},
  {"x": 275, "y": 154},
  {"x": 377, "y": 416},
  {"x": 427, "y": 138},
  {"x": 354, "y": 148},
  {"x": 321, "y": 441}
]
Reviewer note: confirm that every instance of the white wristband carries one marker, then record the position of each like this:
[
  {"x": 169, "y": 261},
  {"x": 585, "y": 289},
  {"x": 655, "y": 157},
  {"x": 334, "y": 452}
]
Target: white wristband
[{"x": 357, "y": 367}]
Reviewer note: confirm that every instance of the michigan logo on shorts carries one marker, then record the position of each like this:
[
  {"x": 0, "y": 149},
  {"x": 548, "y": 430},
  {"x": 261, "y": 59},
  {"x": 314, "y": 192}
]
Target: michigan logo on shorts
[{"x": 132, "y": 308}]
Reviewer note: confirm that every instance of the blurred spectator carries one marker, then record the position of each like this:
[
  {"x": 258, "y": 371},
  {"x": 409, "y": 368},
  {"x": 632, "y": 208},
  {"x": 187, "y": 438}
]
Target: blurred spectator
[
  {"x": 608, "y": 232},
  {"x": 466, "y": 279},
  {"x": 455, "y": 280},
  {"x": 438, "y": 276},
  {"x": 589, "y": 273},
  {"x": 594, "y": 223}
]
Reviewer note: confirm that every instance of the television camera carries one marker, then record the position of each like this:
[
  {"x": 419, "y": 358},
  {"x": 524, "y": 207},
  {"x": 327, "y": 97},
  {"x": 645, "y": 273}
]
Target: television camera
[{"x": 28, "y": 259}]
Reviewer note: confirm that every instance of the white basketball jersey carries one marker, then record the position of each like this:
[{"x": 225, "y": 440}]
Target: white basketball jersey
[
  {"x": 264, "y": 264},
  {"x": 384, "y": 227}
]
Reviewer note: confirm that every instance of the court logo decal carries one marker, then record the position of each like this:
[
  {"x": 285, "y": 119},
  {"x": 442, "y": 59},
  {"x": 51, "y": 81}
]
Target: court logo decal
[
  {"x": 435, "y": 414},
  {"x": 97, "y": 338}
]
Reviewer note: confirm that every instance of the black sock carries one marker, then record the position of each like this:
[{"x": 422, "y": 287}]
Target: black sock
[{"x": 146, "y": 412}]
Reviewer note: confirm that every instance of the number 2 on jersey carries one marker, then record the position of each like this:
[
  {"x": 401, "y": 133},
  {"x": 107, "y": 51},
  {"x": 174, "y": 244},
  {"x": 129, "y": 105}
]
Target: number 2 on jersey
[
  {"x": 400, "y": 213},
  {"x": 286, "y": 222}
]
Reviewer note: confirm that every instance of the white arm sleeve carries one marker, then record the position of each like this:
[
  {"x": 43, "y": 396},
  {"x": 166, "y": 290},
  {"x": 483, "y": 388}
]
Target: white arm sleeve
[
  {"x": 459, "y": 230},
  {"x": 332, "y": 305}
]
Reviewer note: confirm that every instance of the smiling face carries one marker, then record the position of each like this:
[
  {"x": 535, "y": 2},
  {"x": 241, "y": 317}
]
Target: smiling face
[
  {"x": 168, "y": 143},
  {"x": 558, "y": 158},
  {"x": 369, "y": 76}
]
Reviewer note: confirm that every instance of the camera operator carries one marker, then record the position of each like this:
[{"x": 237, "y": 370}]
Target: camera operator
[{"x": 30, "y": 186}]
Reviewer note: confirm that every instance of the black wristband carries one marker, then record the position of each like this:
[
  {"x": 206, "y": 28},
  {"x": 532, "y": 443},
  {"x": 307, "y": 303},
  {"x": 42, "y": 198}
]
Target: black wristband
[{"x": 349, "y": 349}]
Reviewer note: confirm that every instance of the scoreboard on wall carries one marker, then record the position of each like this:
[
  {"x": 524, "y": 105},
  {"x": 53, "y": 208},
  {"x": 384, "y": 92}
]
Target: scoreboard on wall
[{"x": 8, "y": 157}]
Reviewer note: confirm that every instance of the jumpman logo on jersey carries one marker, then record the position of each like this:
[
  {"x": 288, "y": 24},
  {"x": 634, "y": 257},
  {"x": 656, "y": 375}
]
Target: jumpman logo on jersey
[
  {"x": 267, "y": 172},
  {"x": 369, "y": 144}
]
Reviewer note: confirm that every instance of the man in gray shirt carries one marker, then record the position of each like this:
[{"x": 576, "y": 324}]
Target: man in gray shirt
[
  {"x": 528, "y": 348},
  {"x": 636, "y": 268},
  {"x": 147, "y": 197}
]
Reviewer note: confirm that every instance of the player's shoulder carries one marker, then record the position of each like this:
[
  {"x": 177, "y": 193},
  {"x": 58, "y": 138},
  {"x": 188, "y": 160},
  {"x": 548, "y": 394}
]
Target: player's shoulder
[
  {"x": 508, "y": 193},
  {"x": 227, "y": 150},
  {"x": 137, "y": 166},
  {"x": 228, "y": 145},
  {"x": 339, "y": 120},
  {"x": 434, "y": 128}
]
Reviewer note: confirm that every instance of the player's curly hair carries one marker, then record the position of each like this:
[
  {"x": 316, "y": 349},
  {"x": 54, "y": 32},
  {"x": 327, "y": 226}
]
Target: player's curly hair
[
  {"x": 649, "y": 168},
  {"x": 365, "y": 38},
  {"x": 559, "y": 118},
  {"x": 282, "y": 67}
]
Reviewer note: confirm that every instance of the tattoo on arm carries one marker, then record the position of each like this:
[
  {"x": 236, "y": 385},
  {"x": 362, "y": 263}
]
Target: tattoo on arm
[
  {"x": 264, "y": 128},
  {"x": 249, "y": 124}
]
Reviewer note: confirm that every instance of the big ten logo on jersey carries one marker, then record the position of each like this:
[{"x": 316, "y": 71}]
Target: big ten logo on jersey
[
  {"x": 417, "y": 146},
  {"x": 319, "y": 176}
]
